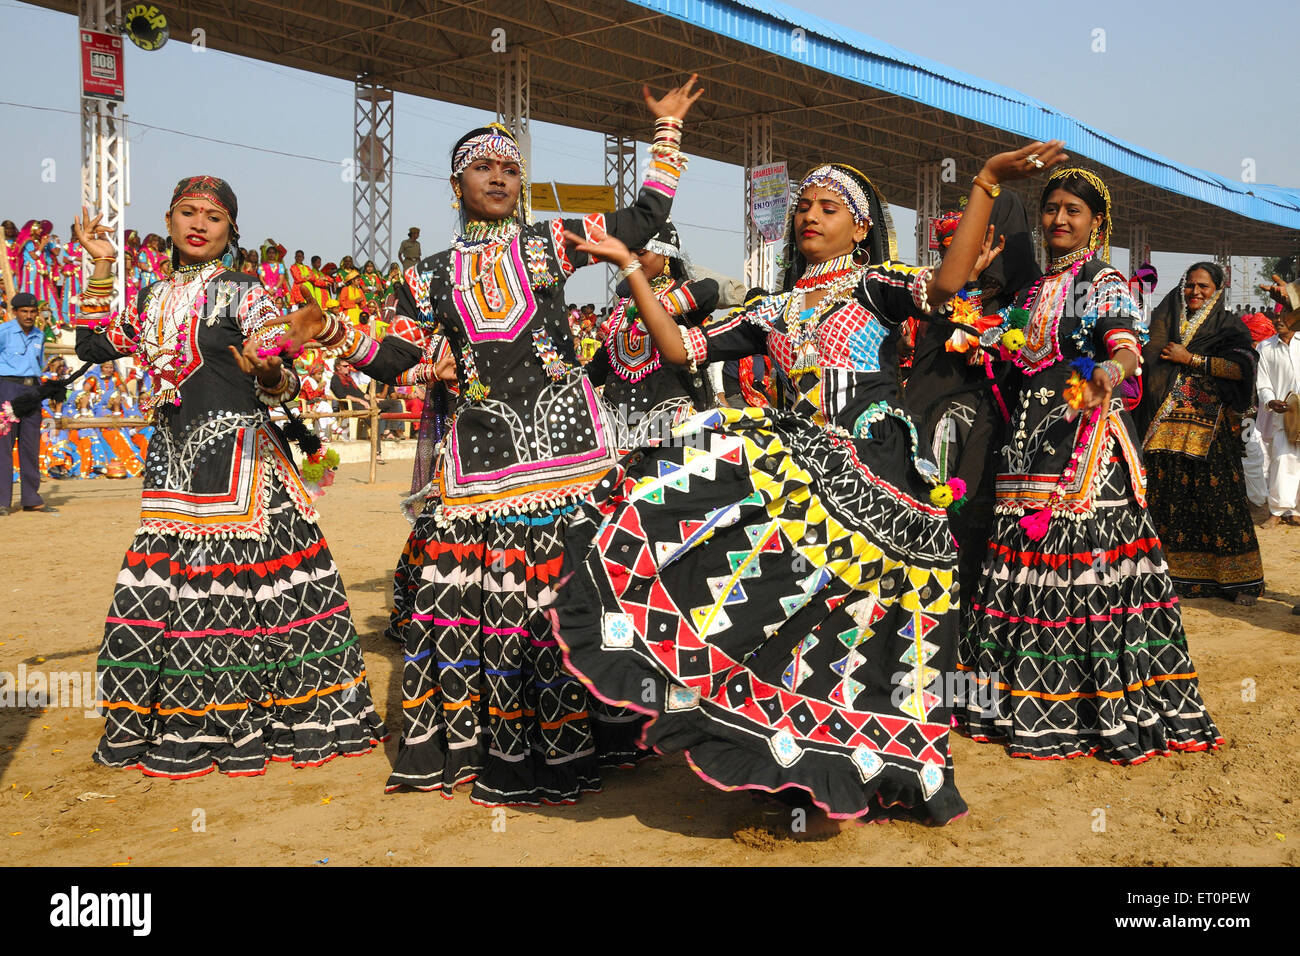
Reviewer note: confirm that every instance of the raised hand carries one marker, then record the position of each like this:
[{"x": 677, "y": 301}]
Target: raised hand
[
  {"x": 988, "y": 252},
  {"x": 92, "y": 235},
  {"x": 1027, "y": 161},
  {"x": 676, "y": 102},
  {"x": 304, "y": 325},
  {"x": 1276, "y": 291},
  {"x": 607, "y": 249}
]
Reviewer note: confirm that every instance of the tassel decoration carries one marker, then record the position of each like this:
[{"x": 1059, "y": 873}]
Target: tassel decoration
[{"x": 1036, "y": 524}]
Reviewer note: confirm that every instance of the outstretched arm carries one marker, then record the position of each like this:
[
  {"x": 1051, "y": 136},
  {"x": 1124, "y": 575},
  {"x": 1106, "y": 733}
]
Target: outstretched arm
[{"x": 968, "y": 240}]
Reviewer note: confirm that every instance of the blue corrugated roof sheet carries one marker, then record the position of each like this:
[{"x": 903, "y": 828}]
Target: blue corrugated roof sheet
[{"x": 855, "y": 56}]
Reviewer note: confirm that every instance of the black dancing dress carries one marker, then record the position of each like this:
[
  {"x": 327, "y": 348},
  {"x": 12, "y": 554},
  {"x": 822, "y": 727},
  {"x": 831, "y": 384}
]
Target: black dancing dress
[
  {"x": 1076, "y": 641},
  {"x": 774, "y": 588},
  {"x": 485, "y": 694},
  {"x": 229, "y": 641}
]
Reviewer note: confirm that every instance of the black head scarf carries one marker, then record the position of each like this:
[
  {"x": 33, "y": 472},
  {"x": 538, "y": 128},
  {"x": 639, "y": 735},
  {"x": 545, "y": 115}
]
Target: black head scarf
[
  {"x": 1016, "y": 267},
  {"x": 1220, "y": 335},
  {"x": 218, "y": 192}
]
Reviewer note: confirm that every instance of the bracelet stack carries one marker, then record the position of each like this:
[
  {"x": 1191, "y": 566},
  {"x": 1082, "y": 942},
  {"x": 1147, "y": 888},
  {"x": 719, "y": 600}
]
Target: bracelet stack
[
  {"x": 275, "y": 395},
  {"x": 97, "y": 297},
  {"x": 628, "y": 269},
  {"x": 1113, "y": 371},
  {"x": 666, "y": 159}
]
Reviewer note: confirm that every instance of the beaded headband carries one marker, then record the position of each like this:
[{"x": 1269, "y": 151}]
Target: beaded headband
[
  {"x": 1101, "y": 241},
  {"x": 843, "y": 185},
  {"x": 497, "y": 144}
]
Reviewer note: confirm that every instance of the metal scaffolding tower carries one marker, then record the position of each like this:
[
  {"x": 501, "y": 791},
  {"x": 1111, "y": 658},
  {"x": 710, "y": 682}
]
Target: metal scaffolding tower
[
  {"x": 620, "y": 172},
  {"x": 928, "y": 184},
  {"x": 760, "y": 256},
  {"x": 104, "y": 173},
  {"x": 513, "y": 92},
  {"x": 1139, "y": 246},
  {"x": 372, "y": 184}
]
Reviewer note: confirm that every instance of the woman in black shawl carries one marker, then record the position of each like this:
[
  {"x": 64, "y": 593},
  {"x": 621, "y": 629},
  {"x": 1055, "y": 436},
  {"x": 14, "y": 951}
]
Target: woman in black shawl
[
  {"x": 950, "y": 391},
  {"x": 1200, "y": 381}
]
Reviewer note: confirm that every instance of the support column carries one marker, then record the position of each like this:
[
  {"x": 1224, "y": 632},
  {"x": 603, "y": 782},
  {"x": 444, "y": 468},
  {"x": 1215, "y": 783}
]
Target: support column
[
  {"x": 104, "y": 170},
  {"x": 1139, "y": 246},
  {"x": 620, "y": 172},
  {"x": 1223, "y": 259},
  {"x": 372, "y": 189},
  {"x": 760, "y": 256},
  {"x": 927, "y": 207},
  {"x": 513, "y": 94}
]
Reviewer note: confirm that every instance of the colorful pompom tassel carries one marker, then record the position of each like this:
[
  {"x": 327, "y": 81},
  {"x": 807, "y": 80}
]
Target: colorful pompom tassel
[
  {"x": 1036, "y": 524},
  {"x": 1084, "y": 366},
  {"x": 951, "y": 494},
  {"x": 1013, "y": 340}
]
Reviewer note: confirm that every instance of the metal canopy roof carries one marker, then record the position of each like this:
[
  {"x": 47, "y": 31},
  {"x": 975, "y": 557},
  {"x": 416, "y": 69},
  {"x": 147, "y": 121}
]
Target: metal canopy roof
[{"x": 832, "y": 94}]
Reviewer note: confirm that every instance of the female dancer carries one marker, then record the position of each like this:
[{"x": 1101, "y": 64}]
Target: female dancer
[
  {"x": 779, "y": 593},
  {"x": 952, "y": 391},
  {"x": 1076, "y": 633},
  {"x": 648, "y": 397},
  {"x": 486, "y": 697},
  {"x": 229, "y": 642},
  {"x": 1200, "y": 380}
]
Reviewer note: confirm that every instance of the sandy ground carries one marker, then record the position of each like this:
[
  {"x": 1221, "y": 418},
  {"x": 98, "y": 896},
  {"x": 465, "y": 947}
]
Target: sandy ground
[{"x": 1233, "y": 807}]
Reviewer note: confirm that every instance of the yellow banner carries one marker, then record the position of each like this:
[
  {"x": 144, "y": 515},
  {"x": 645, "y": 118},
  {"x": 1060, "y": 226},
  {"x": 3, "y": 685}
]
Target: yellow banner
[
  {"x": 544, "y": 197},
  {"x": 576, "y": 198}
]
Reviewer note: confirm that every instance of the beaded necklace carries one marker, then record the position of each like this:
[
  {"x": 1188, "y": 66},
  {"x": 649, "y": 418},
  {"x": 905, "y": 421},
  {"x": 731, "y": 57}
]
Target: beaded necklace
[
  {"x": 1056, "y": 264},
  {"x": 1043, "y": 349},
  {"x": 488, "y": 241},
  {"x": 802, "y": 323},
  {"x": 824, "y": 273},
  {"x": 167, "y": 342},
  {"x": 478, "y": 230}
]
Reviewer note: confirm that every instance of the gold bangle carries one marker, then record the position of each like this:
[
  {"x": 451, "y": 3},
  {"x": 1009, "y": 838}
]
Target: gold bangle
[{"x": 993, "y": 189}]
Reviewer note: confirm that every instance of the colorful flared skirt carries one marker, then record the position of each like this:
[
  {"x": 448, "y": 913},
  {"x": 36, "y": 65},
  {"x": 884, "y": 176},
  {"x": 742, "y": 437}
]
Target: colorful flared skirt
[
  {"x": 486, "y": 696},
  {"x": 406, "y": 576},
  {"x": 226, "y": 653},
  {"x": 1077, "y": 645},
  {"x": 781, "y": 602},
  {"x": 1201, "y": 512}
]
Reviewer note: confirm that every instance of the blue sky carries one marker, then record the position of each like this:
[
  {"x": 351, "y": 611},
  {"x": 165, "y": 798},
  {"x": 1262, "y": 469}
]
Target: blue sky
[{"x": 1186, "y": 80}]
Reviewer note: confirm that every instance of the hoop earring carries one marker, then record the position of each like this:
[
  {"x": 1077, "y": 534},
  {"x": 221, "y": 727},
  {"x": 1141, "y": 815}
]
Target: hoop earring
[{"x": 861, "y": 255}]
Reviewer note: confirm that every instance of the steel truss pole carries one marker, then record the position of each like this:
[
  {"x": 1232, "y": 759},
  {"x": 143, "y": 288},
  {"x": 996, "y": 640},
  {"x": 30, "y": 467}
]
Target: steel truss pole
[
  {"x": 760, "y": 259},
  {"x": 927, "y": 208},
  {"x": 372, "y": 186},
  {"x": 513, "y": 93},
  {"x": 620, "y": 172},
  {"x": 1223, "y": 259},
  {"x": 104, "y": 170},
  {"x": 1139, "y": 246}
]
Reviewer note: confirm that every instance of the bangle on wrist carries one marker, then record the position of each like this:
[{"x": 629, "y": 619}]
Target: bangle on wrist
[
  {"x": 1113, "y": 371},
  {"x": 993, "y": 189},
  {"x": 628, "y": 269}
]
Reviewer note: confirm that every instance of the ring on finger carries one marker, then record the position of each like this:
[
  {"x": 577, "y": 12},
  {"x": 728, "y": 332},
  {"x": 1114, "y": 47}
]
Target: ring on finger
[{"x": 1033, "y": 160}]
